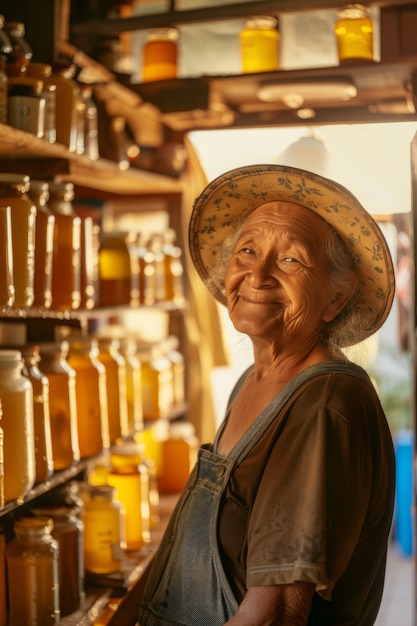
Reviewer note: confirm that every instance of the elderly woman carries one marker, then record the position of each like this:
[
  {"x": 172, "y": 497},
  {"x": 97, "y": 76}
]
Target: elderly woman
[{"x": 286, "y": 516}]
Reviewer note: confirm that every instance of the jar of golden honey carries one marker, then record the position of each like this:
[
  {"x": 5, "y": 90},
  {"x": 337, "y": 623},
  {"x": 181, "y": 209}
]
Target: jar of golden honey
[
  {"x": 62, "y": 403},
  {"x": 89, "y": 279},
  {"x": 160, "y": 55},
  {"x": 259, "y": 42},
  {"x": 133, "y": 386},
  {"x": 44, "y": 462},
  {"x": 43, "y": 72},
  {"x": 66, "y": 264},
  {"x": 104, "y": 530},
  {"x": 354, "y": 34},
  {"x": 115, "y": 270},
  {"x": 157, "y": 381},
  {"x": 7, "y": 290},
  {"x": 91, "y": 394},
  {"x": 44, "y": 244},
  {"x": 18, "y": 426},
  {"x": 32, "y": 573},
  {"x": 179, "y": 455},
  {"x": 14, "y": 190}
]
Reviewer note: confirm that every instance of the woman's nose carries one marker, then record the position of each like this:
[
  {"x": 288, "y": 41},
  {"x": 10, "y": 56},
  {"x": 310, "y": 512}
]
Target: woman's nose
[{"x": 261, "y": 275}]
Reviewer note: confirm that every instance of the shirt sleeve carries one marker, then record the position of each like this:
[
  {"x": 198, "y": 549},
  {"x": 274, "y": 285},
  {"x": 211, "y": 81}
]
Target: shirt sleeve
[{"x": 313, "y": 495}]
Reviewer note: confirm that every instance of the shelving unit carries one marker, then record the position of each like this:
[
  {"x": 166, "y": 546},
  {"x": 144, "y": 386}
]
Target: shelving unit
[{"x": 386, "y": 91}]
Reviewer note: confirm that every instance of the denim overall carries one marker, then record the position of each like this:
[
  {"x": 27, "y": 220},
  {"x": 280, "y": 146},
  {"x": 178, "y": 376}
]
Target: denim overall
[{"x": 187, "y": 585}]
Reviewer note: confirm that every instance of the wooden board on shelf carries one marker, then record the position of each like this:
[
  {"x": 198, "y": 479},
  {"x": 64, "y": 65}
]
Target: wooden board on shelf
[{"x": 19, "y": 149}]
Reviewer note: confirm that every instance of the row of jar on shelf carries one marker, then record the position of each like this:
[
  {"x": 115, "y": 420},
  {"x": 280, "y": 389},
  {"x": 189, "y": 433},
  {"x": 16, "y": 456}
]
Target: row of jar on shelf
[
  {"x": 70, "y": 400},
  {"x": 83, "y": 532},
  {"x": 51, "y": 257}
]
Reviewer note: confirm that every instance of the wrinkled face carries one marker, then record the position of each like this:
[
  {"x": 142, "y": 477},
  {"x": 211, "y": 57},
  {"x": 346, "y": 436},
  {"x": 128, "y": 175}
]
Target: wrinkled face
[{"x": 277, "y": 278}]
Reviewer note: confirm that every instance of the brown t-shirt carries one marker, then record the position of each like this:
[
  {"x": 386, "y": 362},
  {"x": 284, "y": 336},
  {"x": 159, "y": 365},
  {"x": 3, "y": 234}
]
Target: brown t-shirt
[{"x": 313, "y": 501}]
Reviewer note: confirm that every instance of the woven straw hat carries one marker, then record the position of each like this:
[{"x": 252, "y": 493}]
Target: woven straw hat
[{"x": 219, "y": 210}]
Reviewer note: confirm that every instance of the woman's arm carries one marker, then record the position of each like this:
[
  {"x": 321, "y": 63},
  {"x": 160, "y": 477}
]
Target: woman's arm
[{"x": 276, "y": 605}]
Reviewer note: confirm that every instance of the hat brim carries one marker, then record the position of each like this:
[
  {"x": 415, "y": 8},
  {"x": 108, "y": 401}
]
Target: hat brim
[{"x": 219, "y": 210}]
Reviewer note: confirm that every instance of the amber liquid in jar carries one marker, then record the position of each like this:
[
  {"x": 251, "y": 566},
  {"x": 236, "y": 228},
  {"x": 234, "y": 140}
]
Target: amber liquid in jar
[
  {"x": 133, "y": 388},
  {"x": 115, "y": 366},
  {"x": 44, "y": 244},
  {"x": 91, "y": 393},
  {"x": 42, "y": 424},
  {"x": 66, "y": 264},
  {"x": 14, "y": 192},
  {"x": 259, "y": 42},
  {"x": 32, "y": 572},
  {"x": 115, "y": 270},
  {"x": 354, "y": 34},
  {"x": 7, "y": 290},
  {"x": 17, "y": 402},
  {"x": 62, "y": 403},
  {"x": 160, "y": 55}
]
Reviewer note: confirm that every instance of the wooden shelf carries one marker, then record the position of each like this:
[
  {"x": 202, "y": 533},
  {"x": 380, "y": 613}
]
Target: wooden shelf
[{"x": 20, "y": 152}]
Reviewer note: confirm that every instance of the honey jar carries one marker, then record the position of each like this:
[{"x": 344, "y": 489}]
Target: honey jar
[
  {"x": 354, "y": 34},
  {"x": 44, "y": 244},
  {"x": 160, "y": 55},
  {"x": 259, "y": 42}
]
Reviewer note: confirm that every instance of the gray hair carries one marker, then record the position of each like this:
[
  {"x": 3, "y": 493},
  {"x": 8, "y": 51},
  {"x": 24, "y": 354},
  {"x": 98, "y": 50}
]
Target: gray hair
[{"x": 344, "y": 329}]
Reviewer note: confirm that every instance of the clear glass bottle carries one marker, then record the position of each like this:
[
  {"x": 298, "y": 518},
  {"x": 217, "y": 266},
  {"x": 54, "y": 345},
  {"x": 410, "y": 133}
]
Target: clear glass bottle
[
  {"x": 5, "y": 49},
  {"x": 43, "y": 72},
  {"x": 157, "y": 381},
  {"x": 62, "y": 403},
  {"x": 160, "y": 55},
  {"x": 91, "y": 394},
  {"x": 26, "y": 105},
  {"x": 67, "y": 95},
  {"x": 259, "y": 42},
  {"x": 32, "y": 573},
  {"x": 179, "y": 455},
  {"x": 133, "y": 386},
  {"x": 89, "y": 282},
  {"x": 104, "y": 531},
  {"x": 7, "y": 290},
  {"x": 21, "y": 53},
  {"x": 44, "y": 463},
  {"x": 44, "y": 244},
  {"x": 115, "y": 269},
  {"x": 66, "y": 264},
  {"x": 68, "y": 530},
  {"x": 129, "y": 476},
  {"x": 14, "y": 190},
  {"x": 174, "y": 270},
  {"x": 18, "y": 426},
  {"x": 1, "y": 469},
  {"x": 354, "y": 34},
  {"x": 115, "y": 365}
]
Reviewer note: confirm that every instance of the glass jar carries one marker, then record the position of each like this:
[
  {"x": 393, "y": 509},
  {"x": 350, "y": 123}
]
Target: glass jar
[
  {"x": 5, "y": 49},
  {"x": 259, "y": 43},
  {"x": 155, "y": 246},
  {"x": 104, "y": 531},
  {"x": 1, "y": 466},
  {"x": 66, "y": 264},
  {"x": 157, "y": 381},
  {"x": 7, "y": 291},
  {"x": 89, "y": 263},
  {"x": 133, "y": 387},
  {"x": 129, "y": 476},
  {"x": 179, "y": 455},
  {"x": 44, "y": 463},
  {"x": 21, "y": 53},
  {"x": 3, "y": 591},
  {"x": 174, "y": 270},
  {"x": 68, "y": 530},
  {"x": 160, "y": 55},
  {"x": 176, "y": 358},
  {"x": 62, "y": 403},
  {"x": 115, "y": 365},
  {"x": 115, "y": 269},
  {"x": 14, "y": 190},
  {"x": 32, "y": 572},
  {"x": 67, "y": 95},
  {"x": 44, "y": 244},
  {"x": 91, "y": 394},
  {"x": 91, "y": 147},
  {"x": 18, "y": 426},
  {"x": 147, "y": 272},
  {"x": 354, "y": 34},
  {"x": 26, "y": 105},
  {"x": 43, "y": 72}
]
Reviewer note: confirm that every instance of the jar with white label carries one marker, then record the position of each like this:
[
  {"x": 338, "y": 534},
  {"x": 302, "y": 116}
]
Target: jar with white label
[{"x": 26, "y": 105}]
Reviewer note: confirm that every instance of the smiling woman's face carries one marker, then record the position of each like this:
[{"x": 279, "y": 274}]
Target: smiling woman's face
[{"x": 277, "y": 280}]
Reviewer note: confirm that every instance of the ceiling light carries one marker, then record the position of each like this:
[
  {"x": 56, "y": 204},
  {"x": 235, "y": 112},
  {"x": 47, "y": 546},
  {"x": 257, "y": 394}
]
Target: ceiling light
[{"x": 297, "y": 94}]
